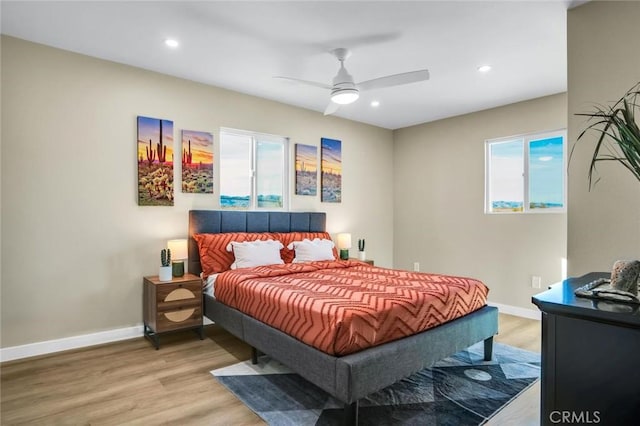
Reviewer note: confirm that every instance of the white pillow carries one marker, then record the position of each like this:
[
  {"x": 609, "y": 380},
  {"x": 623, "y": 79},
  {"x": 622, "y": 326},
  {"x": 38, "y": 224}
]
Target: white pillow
[
  {"x": 310, "y": 251},
  {"x": 255, "y": 253}
]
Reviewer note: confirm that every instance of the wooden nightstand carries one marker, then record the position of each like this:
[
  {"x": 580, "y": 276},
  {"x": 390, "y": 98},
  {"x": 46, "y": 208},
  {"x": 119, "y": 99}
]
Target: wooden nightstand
[
  {"x": 370, "y": 262},
  {"x": 171, "y": 306}
]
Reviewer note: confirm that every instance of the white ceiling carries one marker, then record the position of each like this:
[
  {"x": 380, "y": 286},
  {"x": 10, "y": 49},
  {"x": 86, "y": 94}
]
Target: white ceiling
[{"x": 242, "y": 45}]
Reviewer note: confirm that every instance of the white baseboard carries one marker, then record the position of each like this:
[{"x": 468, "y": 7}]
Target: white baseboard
[
  {"x": 75, "y": 342},
  {"x": 517, "y": 311}
]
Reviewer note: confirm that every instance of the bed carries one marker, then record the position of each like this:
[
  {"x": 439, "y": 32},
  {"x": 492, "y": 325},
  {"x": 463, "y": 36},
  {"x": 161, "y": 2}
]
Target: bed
[{"x": 348, "y": 377}]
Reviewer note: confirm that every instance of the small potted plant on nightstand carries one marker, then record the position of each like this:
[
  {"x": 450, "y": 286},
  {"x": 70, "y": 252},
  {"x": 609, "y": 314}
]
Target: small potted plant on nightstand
[
  {"x": 165, "y": 273},
  {"x": 361, "y": 253}
]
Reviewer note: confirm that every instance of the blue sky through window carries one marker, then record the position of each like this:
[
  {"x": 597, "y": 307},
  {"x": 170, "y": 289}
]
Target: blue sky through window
[{"x": 546, "y": 165}]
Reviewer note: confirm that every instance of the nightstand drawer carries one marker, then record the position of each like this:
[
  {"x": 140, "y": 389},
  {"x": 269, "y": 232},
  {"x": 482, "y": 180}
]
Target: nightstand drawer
[
  {"x": 178, "y": 319},
  {"x": 179, "y": 291},
  {"x": 176, "y": 305}
]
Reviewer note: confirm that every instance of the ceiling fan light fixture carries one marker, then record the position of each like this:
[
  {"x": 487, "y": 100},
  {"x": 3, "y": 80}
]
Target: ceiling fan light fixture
[
  {"x": 172, "y": 43},
  {"x": 345, "y": 96}
]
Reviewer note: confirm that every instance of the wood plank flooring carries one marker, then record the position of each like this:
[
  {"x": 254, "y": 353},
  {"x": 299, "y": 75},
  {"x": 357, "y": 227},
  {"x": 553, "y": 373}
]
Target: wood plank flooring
[
  {"x": 524, "y": 410},
  {"x": 131, "y": 383}
]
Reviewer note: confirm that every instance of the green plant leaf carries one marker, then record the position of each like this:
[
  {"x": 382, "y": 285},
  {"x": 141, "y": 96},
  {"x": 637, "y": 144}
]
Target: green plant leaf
[{"x": 618, "y": 134}]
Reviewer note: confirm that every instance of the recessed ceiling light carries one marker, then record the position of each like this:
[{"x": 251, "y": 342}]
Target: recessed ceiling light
[
  {"x": 484, "y": 68},
  {"x": 375, "y": 103},
  {"x": 171, "y": 43}
]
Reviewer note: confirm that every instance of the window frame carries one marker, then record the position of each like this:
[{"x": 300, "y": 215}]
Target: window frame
[
  {"x": 526, "y": 139},
  {"x": 253, "y": 172}
]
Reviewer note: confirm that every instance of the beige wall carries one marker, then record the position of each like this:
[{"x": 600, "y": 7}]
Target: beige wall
[
  {"x": 75, "y": 243},
  {"x": 439, "y": 218},
  {"x": 603, "y": 63}
]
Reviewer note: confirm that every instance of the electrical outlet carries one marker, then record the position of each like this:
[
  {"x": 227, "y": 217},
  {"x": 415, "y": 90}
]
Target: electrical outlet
[
  {"x": 416, "y": 266},
  {"x": 536, "y": 281}
]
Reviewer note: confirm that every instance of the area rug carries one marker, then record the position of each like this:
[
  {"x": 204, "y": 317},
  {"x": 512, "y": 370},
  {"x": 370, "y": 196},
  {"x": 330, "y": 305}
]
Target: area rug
[{"x": 460, "y": 390}]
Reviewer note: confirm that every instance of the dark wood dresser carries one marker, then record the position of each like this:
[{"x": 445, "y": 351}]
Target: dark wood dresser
[{"x": 590, "y": 357}]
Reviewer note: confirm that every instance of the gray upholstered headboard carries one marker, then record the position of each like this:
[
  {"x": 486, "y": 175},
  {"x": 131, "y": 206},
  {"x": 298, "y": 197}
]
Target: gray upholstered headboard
[{"x": 219, "y": 221}]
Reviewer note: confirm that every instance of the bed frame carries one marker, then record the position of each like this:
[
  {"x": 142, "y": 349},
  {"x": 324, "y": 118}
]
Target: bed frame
[{"x": 351, "y": 377}]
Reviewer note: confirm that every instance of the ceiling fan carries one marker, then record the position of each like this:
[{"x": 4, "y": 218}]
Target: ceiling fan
[{"x": 345, "y": 91}]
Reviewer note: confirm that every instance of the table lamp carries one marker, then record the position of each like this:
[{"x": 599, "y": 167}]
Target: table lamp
[
  {"x": 344, "y": 244},
  {"x": 178, "y": 255}
]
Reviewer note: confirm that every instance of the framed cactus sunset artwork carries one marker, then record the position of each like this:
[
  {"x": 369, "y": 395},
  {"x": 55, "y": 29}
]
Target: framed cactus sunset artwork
[
  {"x": 155, "y": 162},
  {"x": 306, "y": 169},
  {"x": 331, "y": 169},
  {"x": 197, "y": 162}
]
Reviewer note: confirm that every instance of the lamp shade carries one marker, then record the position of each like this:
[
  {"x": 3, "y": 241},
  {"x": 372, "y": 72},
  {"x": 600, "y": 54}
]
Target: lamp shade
[
  {"x": 178, "y": 249},
  {"x": 344, "y": 241}
]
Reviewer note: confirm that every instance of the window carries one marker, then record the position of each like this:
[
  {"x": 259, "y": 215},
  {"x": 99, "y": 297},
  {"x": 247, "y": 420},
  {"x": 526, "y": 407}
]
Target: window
[
  {"x": 526, "y": 174},
  {"x": 253, "y": 170}
]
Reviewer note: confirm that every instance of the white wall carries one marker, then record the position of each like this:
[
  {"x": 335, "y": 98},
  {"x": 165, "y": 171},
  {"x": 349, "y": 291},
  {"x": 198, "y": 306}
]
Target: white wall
[
  {"x": 75, "y": 243},
  {"x": 439, "y": 218},
  {"x": 603, "y": 63}
]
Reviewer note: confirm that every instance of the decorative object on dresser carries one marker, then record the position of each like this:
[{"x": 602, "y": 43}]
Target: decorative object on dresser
[
  {"x": 155, "y": 162},
  {"x": 362, "y": 255},
  {"x": 164, "y": 274},
  {"x": 172, "y": 306},
  {"x": 621, "y": 287},
  {"x": 178, "y": 250},
  {"x": 344, "y": 244},
  {"x": 625, "y": 276}
]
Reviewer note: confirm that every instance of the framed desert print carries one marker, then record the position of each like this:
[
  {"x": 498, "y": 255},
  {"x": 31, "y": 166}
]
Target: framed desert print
[
  {"x": 306, "y": 169},
  {"x": 197, "y": 162},
  {"x": 155, "y": 162},
  {"x": 331, "y": 168}
]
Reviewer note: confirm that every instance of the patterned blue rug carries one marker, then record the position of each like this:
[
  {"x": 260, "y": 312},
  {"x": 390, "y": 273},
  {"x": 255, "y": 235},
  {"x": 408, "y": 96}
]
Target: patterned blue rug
[{"x": 460, "y": 390}]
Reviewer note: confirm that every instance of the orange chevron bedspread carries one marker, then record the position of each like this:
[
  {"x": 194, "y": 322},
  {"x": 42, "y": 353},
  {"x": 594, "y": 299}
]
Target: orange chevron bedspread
[{"x": 341, "y": 307}]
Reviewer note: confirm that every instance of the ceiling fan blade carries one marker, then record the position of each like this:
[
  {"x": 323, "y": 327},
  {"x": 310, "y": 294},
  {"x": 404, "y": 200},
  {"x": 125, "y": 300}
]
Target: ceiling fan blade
[
  {"x": 394, "y": 80},
  {"x": 331, "y": 108},
  {"x": 308, "y": 83}
]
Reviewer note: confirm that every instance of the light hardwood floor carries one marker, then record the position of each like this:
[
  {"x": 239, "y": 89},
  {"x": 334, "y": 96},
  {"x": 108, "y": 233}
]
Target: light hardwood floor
[
  {"x": 524, "y": 410},
  {"x": 131, "y": 383}
]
